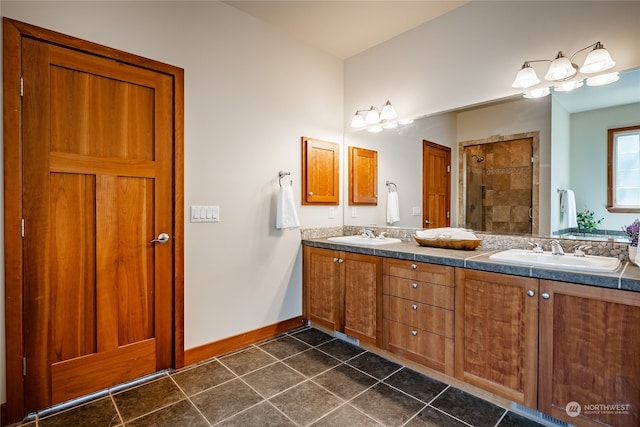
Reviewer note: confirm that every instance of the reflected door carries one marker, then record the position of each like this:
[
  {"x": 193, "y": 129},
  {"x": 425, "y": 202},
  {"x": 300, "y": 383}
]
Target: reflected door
[{"x": 436, "y": 187}]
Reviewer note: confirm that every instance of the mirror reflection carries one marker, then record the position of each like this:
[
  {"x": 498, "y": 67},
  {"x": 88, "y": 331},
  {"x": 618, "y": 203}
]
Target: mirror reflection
[{"x": 576, "y": 122}]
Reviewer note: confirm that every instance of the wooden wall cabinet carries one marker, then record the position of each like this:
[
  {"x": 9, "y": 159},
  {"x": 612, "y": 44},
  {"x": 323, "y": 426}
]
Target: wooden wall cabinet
[
  {"x": 497, "y": 334},
  {"x": 418, "y": 312},
  {"x": 320, "y": 172},
  {"x": 342, "y": 291},
  {"x": 363, "y": 176},
  {"x": 589, "y": 354}
]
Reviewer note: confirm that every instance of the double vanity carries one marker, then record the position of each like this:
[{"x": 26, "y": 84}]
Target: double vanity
[{"x": 536, "y": 329}]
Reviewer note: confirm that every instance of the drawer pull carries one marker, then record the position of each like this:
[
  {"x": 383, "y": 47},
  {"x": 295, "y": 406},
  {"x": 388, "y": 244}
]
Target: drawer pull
[
  {"x": 414, "y": 285},
  {"x": 414, "y": 266},
  {"x": 414, "y": 333},
  {"x": 414, "y": 307}
]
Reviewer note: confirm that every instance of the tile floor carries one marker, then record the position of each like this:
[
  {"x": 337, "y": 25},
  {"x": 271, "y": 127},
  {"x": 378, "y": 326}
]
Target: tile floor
[{"x": 302, "y": 378}]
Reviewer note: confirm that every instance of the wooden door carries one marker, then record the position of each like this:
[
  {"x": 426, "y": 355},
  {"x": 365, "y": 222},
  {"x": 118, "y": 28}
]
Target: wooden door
[
  {"x": 497, "y": 333},
  {"x": 321, "y": 286},
  {"x": 97, "y": 162},
  {"x": 362, "y": 284},
  {"x": 589, "y": 355},
  {"x": 363, "y": 176},
  {"x": 436, "y": 176}
]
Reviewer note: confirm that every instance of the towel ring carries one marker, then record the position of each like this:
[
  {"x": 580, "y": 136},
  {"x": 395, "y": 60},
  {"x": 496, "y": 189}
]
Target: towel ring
[
  {"x": 281, "y": 175},
  {"x": 395, "y": 187}
]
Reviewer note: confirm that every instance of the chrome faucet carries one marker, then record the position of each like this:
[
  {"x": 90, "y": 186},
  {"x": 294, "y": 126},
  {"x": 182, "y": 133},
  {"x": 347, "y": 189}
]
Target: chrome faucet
[
  {"x": 580, "y": 250},
  {"x": 556, "y": 249},
  {"x": 367, "y": 232}
]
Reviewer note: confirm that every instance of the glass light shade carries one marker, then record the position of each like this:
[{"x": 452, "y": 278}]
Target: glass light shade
[
  {"x": 568, "y": 86},
  {"x": 372, "y": 116},
  {"x": 537, "y": 93},
  {"x": 388, "y": 112},
  {"x": 597, "y": 60},
  {"x": 525, "y": 78},
  {"x": 560, "y": 69},
  {"x": 357, "y": 121},
  {"x": 375, "y": 129},
  {"x": 603, "y": 79}
]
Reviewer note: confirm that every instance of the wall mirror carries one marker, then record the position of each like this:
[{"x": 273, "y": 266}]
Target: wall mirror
[{"x": 565, "y": 159}]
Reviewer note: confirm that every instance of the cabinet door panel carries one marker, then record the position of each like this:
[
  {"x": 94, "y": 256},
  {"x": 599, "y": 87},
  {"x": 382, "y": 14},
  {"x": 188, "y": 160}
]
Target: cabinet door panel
[
  {"x": 320, "y": 172},
  {"x": 321, "y": 295},
  {"x": 590, "y": 353},
  {"x": 362, "y": 296},
  {"x": 497, "y": 334}
]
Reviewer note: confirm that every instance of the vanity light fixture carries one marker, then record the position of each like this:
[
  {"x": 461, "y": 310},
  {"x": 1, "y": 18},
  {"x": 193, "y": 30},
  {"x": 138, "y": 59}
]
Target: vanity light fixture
[
  {"x": 373, "y": 116},
  {"x": 562, "y": 70}
]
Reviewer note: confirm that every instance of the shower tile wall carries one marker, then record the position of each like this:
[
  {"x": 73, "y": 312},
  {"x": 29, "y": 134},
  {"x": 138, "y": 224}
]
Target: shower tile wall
[{"x": 505, "y": 174}]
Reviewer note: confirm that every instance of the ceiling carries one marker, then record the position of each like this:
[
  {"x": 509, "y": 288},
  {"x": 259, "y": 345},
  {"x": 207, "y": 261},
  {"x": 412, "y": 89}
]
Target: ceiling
[{"x": 345, "y": 28}]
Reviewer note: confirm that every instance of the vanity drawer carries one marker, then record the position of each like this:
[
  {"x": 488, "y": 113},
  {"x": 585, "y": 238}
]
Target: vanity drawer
[
  {"x": 440, "y": 274},
  {"x": 429, "y": 318},
  {"x": 432, "y": 350},
  {"x": 415, "y": 290}
]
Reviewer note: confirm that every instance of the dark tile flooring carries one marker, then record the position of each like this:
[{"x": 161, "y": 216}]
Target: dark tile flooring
[{"x": 303, "y": 378}]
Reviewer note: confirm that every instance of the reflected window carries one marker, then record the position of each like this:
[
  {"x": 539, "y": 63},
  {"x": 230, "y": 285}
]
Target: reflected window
[{"x": 623, "y": 169}]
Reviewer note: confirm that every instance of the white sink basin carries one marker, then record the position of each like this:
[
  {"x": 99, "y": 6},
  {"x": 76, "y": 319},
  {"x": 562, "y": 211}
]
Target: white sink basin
[
  {"x": 367, "y": 241},
  {"x": 563, "y": 262}
]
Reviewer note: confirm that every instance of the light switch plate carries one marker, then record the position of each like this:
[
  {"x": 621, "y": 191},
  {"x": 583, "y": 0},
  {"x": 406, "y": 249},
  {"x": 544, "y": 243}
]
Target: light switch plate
[
  {"x": 416, "y": 211},
  {"x": 205, "y": 213}
]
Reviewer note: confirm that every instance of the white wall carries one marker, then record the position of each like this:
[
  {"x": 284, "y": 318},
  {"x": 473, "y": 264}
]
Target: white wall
[
  {"x": 251, "y": 92},
  {"x": 589, "y": 160}
]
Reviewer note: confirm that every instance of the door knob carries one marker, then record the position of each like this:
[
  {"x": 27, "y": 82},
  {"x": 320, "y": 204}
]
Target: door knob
[{"x": 162, "y": 238}]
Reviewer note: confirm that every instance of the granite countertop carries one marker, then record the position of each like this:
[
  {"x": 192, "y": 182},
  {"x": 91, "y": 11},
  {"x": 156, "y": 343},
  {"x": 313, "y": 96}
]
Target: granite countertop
[{"x": 627, "y": 277}]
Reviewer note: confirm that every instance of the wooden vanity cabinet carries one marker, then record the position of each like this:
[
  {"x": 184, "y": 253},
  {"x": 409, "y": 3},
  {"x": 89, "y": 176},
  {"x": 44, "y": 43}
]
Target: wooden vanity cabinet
[
  {"x": 589, "y": 354},
  {"x": 497, "y": 334},
  {"x": 342, "y": 291},
  {"x": 418, "y": 312}
]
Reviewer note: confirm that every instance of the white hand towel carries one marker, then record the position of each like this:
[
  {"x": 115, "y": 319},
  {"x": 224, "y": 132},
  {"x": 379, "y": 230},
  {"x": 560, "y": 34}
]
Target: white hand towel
[
  {"x": 286, "y": 216},
  {"x": 570, "y": 209},
  {"x": 393, "y": 208}
]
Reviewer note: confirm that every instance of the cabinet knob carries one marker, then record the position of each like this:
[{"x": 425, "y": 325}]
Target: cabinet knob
[
  {"x": 340, "y": 260},
  {"x": 545, "y": 295},
  {"x": 335, "y": 260},
  {"x": 414, "y": 285},
  {"x": 414, "y": 333},
  {"x": 530, "y": 293},
  {"x": 414, "y": 266},
  {"x": 414, "y": 307},
  {"x": 311, "y": 193}
]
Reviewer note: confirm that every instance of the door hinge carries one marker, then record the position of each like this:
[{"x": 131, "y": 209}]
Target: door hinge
[
  {"x": 448, "y": 214},
  {"x": 21, "y": 87},
  {"x": 22, "y": 227},
  {"x": 448, "y": 168},
  {"x": 24, "y": 366}
]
